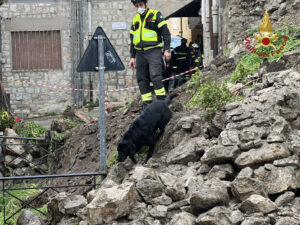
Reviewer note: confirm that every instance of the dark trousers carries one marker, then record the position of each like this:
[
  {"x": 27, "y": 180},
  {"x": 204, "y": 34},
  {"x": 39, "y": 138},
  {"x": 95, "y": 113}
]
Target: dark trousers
[
  {"x": 149, "y": 69},
  {"x": 166, "y": 74},
  {"x": 181, "y": 67}
]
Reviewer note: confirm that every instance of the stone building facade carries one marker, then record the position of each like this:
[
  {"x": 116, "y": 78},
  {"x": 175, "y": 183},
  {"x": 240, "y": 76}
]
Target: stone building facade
[
  {"x": 225, "y": 26},
  {"x": 114, "y": 16}
]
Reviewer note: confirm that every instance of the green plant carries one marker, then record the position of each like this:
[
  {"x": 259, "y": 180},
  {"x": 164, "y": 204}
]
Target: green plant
[
  {"x": 142, "y": 153},
  {"x": 113, "y": 160},
  {"x": 209, "y": 95},
  {"x": 291, "y": 43},
  {"x": 30, "y": 129},
  {"x": 247, "y": 65},
  {"x": 58, "y": 136},
  {"x": 195, "y": 81},
  {"x": 51, "y": 113},
  {"x": 286, "y": 41},
  {"x": 70, "y": 123},
  {"x": 252, "y": 31},
  {"x": 12, "y": 204},
  {"x": 227, "y": 51},
  {"x": 43, "y": 209},
  {"x": 94, "y": 104},
  {"x": 6, "y": 120}
]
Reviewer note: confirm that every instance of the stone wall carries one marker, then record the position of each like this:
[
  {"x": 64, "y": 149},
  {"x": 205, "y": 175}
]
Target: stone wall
[
  {"x": 28, "y": 100},
  {"x": 240, "y": 16}
]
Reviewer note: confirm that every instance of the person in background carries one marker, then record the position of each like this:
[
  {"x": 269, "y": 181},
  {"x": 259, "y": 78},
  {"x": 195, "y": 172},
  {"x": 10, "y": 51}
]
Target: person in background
[
  {"x": 195, "y": 59},
  {"x": 148, "y": 31},
  {"x": 181, "y": 60}
]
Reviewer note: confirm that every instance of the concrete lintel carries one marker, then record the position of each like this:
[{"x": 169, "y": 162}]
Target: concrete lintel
[{"x": 35, "y": 24}]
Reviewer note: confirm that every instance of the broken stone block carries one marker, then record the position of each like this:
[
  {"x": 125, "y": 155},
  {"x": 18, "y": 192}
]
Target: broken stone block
[
  {"x": 256, "y": 221},
  {"x": 221, "y": 172},
  {"x": 176, "y": 192},
  {"x": 230, "y": 137},
  {"x": 14, "y": 162},
  {"x": 183, "y": 218},
  {"x": 13, "y": 147},
  {"x": 266, "y": 153},
  {"x": 162, "y": 200},
  {"x": 257, "y": 203},
  {"x": 219, "y": 215},
  {"x": 290, "y": 161},
  {"x": 207, "y": 198},
  {"x": 149, "y": 189},
  {"x": 159, "y": 211},
  {"x": 278, "y": 179},
  {"x": 111, "y": 204},
  {"x": 285, "y": 198},
  {"x": 182, "y": 154},
  {"x": 287, "y": 221},
  {"x": 29, "y": 218},
  {"x": 220, "y": 153},
  {"x": 245, "y": 172},
  {"x": 244, "y": 187},
  {"x": 73, "y": 204}
]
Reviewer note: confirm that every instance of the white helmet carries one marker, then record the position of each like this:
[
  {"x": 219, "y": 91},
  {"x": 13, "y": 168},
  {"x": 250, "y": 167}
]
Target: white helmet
[{"x": 195, "y": 45}]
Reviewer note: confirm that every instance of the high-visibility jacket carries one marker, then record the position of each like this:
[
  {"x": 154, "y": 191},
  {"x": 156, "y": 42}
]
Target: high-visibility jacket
[
  {"x": 196, "y": 59},
  {"x": 146, "y": 31},
  {"x": 182, "y": 56}
]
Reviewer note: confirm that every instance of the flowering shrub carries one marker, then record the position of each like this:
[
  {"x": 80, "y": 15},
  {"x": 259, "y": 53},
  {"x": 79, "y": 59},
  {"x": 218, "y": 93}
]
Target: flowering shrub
[{"x": 6, "y": 120}]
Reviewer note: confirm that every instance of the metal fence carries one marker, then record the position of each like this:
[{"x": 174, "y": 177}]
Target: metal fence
[
  {"x": 28, "y": 144},
  {"x": 8, "y": 188}
]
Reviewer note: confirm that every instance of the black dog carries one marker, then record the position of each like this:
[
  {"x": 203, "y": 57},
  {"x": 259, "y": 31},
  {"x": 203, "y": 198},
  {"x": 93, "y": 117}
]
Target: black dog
[{"x": 142, "y": 132}]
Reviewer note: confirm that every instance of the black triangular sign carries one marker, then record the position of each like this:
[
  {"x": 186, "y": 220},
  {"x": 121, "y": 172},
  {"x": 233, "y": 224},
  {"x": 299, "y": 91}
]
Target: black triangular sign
[{"x": 89, "y": 60}]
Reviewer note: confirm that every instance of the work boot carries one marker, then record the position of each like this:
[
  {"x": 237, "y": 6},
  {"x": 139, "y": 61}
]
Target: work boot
[{"x": 146, "y": 103}]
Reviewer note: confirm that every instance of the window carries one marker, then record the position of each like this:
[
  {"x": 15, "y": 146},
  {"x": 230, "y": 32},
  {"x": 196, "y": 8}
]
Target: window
[{"x": 34, "y": 50}]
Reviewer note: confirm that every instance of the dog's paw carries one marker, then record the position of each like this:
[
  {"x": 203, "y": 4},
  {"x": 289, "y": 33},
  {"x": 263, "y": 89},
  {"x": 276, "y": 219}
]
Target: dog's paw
[{"x": 145, "y": 162}]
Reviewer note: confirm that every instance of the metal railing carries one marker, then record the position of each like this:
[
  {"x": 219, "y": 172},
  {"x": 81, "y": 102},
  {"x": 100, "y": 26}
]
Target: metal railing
[
  {"x": 27, "y": 143},
  {"x": 28, "y": 203},
  {"x": 7, "y": 187}
]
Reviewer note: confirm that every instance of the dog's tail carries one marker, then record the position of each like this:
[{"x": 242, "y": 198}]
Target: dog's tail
[{"x": 169, "y": 98}]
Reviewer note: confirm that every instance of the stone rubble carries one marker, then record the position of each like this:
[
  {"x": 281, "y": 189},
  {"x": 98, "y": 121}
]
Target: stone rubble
[{"x": 250, "y": 175}]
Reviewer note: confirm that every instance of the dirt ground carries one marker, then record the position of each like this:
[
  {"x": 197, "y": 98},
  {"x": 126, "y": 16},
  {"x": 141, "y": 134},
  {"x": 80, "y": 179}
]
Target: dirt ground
[{"x": 80, "y": 153}]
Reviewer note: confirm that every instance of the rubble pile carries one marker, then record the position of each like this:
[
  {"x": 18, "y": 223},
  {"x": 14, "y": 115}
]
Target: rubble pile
[
  {"x": 248, "y": 173},
  {"x": 22, "y": 156}
]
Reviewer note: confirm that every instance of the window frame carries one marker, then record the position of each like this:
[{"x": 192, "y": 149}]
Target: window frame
[{"x": 51, "y": 66}]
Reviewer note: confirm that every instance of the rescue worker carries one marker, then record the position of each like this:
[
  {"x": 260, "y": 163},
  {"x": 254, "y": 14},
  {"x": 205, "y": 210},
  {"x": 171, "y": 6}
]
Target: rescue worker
[
  {"x": 195, "y": 59},
  {"x": 182, "y": 55},
  {"x": 147, "y": 32}
]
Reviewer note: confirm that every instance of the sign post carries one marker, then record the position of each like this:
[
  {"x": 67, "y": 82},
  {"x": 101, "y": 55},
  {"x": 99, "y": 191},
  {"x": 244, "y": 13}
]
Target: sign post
[
  {"x": 100, "y": 56},
  {"x": 102, "y": 127}
]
